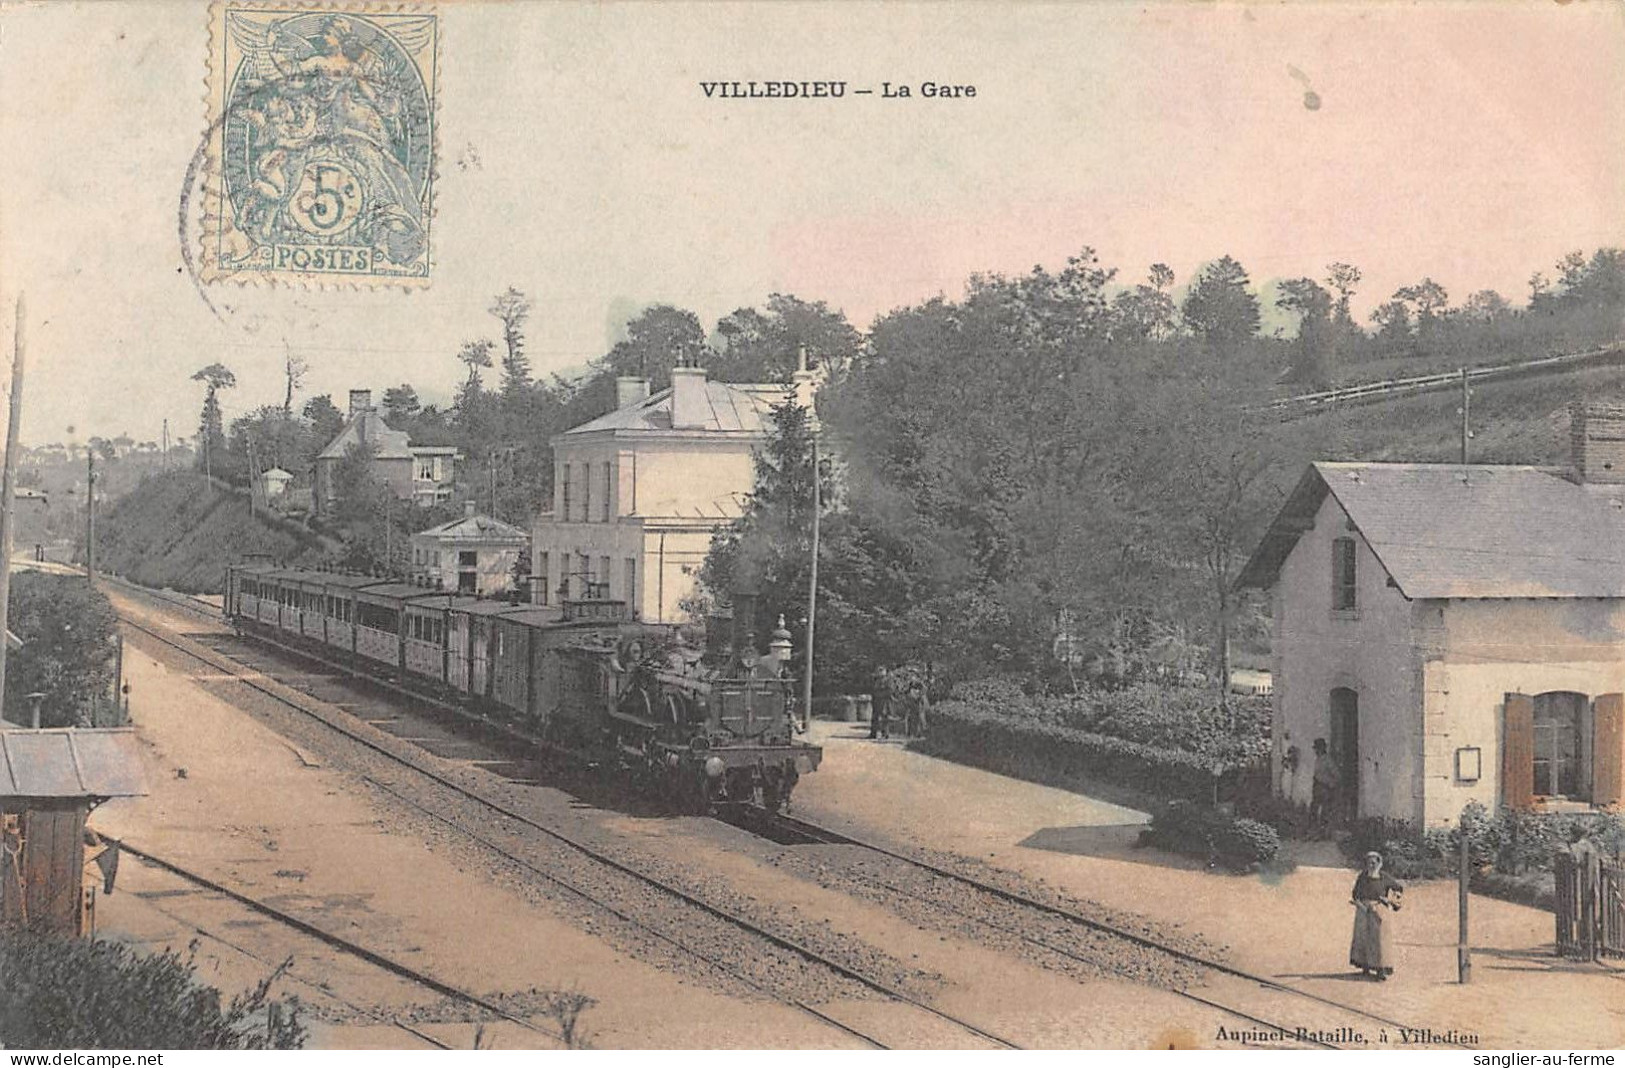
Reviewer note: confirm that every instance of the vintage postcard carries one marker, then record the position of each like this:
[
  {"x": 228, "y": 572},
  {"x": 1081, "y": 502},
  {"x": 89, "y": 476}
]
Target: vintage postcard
[{"x": 830, "y": 526}]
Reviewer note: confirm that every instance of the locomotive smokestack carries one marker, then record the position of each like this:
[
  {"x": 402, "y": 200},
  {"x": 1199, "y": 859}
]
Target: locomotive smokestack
[{"x": 744, "y": 625}]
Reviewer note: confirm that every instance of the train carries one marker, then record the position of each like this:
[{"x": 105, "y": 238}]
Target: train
[{"x": 703, "y": 726}]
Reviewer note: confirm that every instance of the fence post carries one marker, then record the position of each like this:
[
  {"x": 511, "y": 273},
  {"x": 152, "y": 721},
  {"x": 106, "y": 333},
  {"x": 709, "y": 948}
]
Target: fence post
[{"x": 1464, "y": 957}]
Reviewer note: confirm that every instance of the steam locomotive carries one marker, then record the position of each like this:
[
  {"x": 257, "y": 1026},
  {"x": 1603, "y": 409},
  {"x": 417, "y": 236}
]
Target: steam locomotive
[{"x": 702, "y": 727}]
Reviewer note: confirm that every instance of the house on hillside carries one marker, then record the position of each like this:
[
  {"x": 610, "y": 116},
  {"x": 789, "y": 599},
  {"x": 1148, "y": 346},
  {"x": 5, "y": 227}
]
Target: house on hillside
[
  {"x": 422, "y": 474},
  {"x": 637, "y": 493},
  {"x": 474, "y": 554},
  {"x": 1455, "y": 631}
]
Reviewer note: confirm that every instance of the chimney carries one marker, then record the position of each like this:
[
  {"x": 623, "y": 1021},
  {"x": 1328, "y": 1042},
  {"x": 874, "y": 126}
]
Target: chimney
[
  {"x": 468, "y": 509},
  {"x": 360, "y": 401},
  {"x": 629, "y": 390},
  {"x": 802, "y": 384},
  {"x": 1597, "y": 437},
  {"x": 690, "y": 406}
]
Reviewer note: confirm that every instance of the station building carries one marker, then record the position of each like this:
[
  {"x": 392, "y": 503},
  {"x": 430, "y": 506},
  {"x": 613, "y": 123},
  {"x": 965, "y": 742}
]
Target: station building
[
  {"x": 638, "y": 493},
  {"x": 1456, "y": 632}
]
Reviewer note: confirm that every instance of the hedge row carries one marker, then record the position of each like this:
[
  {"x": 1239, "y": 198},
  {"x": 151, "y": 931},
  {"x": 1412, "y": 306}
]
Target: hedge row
[
  {"x": 1033, "y": 749},
  {"x": 1167, "y": 717}
]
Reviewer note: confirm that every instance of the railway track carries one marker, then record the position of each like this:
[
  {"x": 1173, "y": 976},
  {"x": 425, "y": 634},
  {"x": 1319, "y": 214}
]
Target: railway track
[
  {"x": 493, "y": 806},
  {"x": 344, "y": 946},
  {"x": 790, "y": 830},
  {"x": 784, "y": 828}
]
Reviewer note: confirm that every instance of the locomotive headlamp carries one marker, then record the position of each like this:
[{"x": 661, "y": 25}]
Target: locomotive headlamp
[
  {"x": 780, "y": 645},
  {"x": 714, "y": 767}
]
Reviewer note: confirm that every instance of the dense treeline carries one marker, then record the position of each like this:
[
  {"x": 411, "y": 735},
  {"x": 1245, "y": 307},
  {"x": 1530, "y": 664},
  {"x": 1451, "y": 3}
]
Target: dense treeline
[
  {"x": 1051, "y": 474},
  {"x": 1054, "y": 476}
]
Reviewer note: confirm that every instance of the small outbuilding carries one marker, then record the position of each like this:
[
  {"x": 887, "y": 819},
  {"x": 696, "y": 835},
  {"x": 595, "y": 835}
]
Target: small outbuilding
[
  {"x": 50, "y": 780},
  {"x": 475, "y": 554},
  {"x": 274, "y": 483},
  {"x": 1455, "y": 632}
]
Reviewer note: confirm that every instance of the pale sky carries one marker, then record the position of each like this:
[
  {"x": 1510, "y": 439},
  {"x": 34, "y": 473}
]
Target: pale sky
[{"x": 580, "y": 161}]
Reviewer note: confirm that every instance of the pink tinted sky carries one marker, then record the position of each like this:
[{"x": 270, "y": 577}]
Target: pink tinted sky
[{"x": 1474, "y": 143}]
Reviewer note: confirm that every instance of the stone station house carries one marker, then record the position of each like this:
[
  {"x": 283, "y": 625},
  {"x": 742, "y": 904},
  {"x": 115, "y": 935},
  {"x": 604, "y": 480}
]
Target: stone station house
[{"x": 1455, "y": 631}]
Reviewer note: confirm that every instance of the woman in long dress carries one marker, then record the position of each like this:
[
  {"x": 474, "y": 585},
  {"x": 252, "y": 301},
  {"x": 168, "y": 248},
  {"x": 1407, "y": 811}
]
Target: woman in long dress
[{"x": 1371, "y": 949}]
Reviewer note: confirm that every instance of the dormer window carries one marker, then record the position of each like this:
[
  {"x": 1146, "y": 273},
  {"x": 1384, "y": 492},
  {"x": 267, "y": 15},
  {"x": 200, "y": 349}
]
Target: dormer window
[{"x": 1344, "y": 591}]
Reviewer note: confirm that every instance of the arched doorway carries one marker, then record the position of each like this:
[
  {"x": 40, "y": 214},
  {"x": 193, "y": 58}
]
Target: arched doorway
[{"x": 1345, "y": 748}]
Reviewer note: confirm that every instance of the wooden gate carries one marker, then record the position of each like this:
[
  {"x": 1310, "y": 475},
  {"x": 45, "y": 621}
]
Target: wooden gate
[{"x": 1590, "y": 896}]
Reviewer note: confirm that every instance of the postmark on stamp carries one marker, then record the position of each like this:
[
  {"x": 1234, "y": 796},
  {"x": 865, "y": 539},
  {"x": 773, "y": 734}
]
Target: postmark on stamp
[{"x": 321, "y": 142}]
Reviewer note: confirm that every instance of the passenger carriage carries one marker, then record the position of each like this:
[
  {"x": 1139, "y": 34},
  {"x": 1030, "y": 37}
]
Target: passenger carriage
[{"x": 704, "y": 729}]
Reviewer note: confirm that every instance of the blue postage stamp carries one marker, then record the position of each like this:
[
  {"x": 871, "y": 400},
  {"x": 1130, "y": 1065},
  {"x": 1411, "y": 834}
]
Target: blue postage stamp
[{"x": 322, "y": 142}]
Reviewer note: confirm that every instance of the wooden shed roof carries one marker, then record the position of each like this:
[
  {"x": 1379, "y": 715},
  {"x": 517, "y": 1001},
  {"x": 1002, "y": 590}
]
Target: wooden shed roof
[{"x": 64, "y": 763}]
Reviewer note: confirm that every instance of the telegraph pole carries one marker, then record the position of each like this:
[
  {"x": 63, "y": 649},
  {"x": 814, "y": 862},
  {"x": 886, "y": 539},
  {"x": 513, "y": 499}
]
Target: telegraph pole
[
  {"x": 1466, "y": 416},
  {"x": 812, "y": 580},
  {"x": 8, "y": 487},
  {"x": 90, "y": 515}
]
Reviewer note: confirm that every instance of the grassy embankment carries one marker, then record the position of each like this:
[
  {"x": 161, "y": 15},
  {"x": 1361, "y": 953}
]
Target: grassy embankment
[{"x": 179, "y": 531}]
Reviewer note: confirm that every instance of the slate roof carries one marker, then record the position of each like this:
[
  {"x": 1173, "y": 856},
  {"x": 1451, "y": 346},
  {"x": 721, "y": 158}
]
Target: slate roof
[
  {"x": 475, "y": 528},
  {"x": 1464, "y": 530},
  {"x": 368, "y": 426},
  {"x": 734, "y": 408},
  {"x": 83, "y": 762}
]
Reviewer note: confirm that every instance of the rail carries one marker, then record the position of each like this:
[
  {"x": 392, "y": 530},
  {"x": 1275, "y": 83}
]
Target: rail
[
  {"x": 227, "y": 666},
  {"x": 1308, "y": 403}
]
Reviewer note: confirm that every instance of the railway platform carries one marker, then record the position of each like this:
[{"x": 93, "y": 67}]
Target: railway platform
[{"x": 1293, "y": 927}]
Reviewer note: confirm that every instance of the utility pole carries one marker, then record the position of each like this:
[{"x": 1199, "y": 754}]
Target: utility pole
[
  {"x": 492, "y": 468},
  {"x": 8, "y": 487},
  {"x": 812, "y": 580},
  {"x": 253, "y": 478},
  {"x": 90, "y": 515},
  {"x": 1466, "y": 416},
  {"x": 165, "y": 462}
]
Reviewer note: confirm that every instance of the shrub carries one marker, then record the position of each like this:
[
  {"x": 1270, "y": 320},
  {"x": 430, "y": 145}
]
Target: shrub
[
  {"x": 1511, "y": 842},
  {"x": 1203, "y": 831},
  {"x": 86, "y": 994}
]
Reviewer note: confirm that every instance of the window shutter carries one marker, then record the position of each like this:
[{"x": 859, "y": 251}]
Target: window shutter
[
  {"x": 1608, "y": 749},
  {"x": 1518, "y": 751}
]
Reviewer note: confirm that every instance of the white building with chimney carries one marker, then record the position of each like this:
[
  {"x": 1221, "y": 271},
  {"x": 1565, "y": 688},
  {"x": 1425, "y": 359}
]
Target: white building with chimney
[{"x": 637, "y": 493}]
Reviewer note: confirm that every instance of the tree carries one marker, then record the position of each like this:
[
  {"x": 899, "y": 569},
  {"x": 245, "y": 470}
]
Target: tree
[
  {"x": 1147, "y": 311},
  {"x": 512, "y": 309},
  {"x": 1220, "y": 309},
  {"x": 762, "y": 345},
  {"x": 475, "y": 355},
  {"x": 659, "y": 338},
  {"x": 69, "y": 653},
  {"x": 1486, "y": 305},
  {"x": 1312, "y": 350},
  {"x": 1211, "y": 484},
  {"x": 401, "y": 405},
  {"x": 294, "y": 370},
  {"x": 323, "y": 423},
  {"x": 211, "y": 433},
  {"x": 1393, "y": 322},
  {"x": 1342, "y": 278},
  {"x": 767, "y": 550}
]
